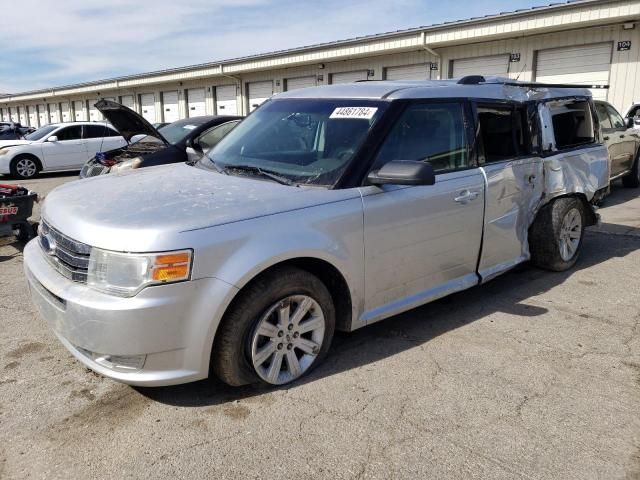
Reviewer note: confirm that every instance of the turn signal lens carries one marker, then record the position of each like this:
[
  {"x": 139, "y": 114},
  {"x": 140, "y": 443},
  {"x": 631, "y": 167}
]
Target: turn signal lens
[{"x": 172, "y": 267}]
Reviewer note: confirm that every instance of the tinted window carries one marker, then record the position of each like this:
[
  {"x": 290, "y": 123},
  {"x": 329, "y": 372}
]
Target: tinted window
[
  {"x": 433, "y": 133},
  {"x": 603, "y": 117},
  {"x": 70, "y": 133},
  {"x": 211, "y": 137},
  {"x": 616, "y": 118},
  {"x": 99, "y": 131}
]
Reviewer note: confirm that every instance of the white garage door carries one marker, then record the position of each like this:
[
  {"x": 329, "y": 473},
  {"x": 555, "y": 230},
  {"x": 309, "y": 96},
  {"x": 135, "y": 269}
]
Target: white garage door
[
  {"x": 78, "y": 108},
  {"x": 94, "y": 113},
  {"x": 6, "y": 117},
  {"x": 299, "y": 82},
  {"x": 581, "y": 65},
  {"x": 148, "y": 107},
  {"x": 494, "y": 65},
  {"x": 409, "y": 72},
  {"x": 33, "y": 115},
  {"x": 170, "y": 111},
  {"x": 196, "y": 106},
  {"x": 65, "y": 114},
  {"x": 23, "y": 116},
  {"x": 43, "y": 115},
  {"x": 348, "y": 77},
  {"x": 226, "y": 101},
  {"x": 258, "y": 93},
  {"x": 54, "y": 115},
  {"x": 127, "y": 101}
]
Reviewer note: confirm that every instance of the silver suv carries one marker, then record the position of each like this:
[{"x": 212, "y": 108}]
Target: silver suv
[{"x": 327, "y": 208}]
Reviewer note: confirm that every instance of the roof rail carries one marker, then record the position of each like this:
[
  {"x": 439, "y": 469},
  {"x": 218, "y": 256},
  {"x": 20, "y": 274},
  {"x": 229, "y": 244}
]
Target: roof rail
[{"x": 480, "y": 80}]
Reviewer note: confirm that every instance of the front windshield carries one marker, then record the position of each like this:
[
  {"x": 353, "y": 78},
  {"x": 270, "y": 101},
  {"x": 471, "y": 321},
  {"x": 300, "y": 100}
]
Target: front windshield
[
  {"x": 304, "y": 140},
  {"x": 177, "y": 131},
  {"x": 40, "y": 133}
]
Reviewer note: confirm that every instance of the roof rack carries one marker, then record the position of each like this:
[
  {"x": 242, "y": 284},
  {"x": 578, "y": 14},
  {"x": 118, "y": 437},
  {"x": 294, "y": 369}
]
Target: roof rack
[{"x": 480, "y": 80}]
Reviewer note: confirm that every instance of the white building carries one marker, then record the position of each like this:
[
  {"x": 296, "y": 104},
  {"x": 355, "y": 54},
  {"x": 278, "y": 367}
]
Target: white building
[{"x": 582, "y": 42}]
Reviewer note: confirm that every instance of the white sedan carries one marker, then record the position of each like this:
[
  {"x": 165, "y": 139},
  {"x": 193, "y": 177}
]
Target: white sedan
[{"x": 55, "y": 147}]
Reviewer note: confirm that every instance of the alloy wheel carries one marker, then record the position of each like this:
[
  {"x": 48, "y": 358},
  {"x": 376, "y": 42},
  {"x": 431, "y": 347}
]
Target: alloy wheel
[
  {"x": 26, "y": 167},
  {"x": 287, "y": 339},
  {"x": 570, "y": 234}
]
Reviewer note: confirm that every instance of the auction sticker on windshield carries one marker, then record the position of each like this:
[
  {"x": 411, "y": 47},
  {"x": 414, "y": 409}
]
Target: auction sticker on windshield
[{"x": 366, "y": 113}]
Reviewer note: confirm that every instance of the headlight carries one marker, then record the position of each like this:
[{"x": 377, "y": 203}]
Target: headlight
[
  {"x": 4, "y": 151},
  {"x": 125, "y": 274},
  {"x": 127, "y": 165}
]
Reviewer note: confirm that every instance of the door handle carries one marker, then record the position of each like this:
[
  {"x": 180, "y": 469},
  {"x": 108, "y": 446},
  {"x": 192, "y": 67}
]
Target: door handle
[
  {"x": 466, "y": 196},
  {"x": 606, "y": 137}
]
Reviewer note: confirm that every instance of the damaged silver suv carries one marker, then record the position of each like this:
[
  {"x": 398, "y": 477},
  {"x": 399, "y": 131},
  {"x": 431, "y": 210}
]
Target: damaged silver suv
[{"x": 327, "y": 208}]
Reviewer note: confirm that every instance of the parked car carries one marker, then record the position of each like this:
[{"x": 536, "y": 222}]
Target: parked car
[
  {"x": 623, "y": 142},
  {"x": 56, "y": 147},
  {"x": 327, "y": 208},
  {"x": 150, "y": 147},
  {"x": 13, "y": 131}
]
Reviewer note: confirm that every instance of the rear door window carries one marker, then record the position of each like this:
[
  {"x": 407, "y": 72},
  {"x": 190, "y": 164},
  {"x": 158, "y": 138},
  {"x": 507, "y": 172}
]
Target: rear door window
[
  {"x": 503, "y": 131},
  {"x": 433, "y": 133},
  {"x": 98, "y": 131}
]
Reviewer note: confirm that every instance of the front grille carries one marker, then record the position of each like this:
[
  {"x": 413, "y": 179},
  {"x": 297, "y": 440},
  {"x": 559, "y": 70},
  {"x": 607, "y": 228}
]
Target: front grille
[
  {"x": 93, "y": 170},
  {"x": 69, "y": 257}
]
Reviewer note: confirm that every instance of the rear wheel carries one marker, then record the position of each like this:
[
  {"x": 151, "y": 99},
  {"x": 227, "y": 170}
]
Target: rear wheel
[
  {"x": 24, "y": 166},
  {"x": 279, "y": 328},
  {"x": 555, "y": 238},
  {"x": 632, "y": 179}
]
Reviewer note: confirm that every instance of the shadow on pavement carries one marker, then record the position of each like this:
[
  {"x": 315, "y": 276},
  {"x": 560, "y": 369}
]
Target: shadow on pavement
[{"x": 507, "y": 294}]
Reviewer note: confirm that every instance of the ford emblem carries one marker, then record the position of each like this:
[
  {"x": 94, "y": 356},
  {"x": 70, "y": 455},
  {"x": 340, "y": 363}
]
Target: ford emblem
[{"x": 48, "y": 244}]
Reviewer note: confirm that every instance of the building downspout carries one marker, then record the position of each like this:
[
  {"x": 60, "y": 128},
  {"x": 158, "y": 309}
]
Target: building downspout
[{"x": 423, "y": 42}]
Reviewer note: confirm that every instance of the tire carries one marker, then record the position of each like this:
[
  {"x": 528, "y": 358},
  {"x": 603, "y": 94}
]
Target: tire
[
  {"x": 632, "y": 179},
  {"x": 252, "y": 340},
  {"x": 24, "y": 232},
  {"x": 555, "y": 238},
  {"x": 25, "y": 167}
]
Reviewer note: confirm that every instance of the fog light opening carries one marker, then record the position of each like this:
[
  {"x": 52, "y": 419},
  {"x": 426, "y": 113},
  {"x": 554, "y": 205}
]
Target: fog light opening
[{"x": 119, "y": 363}]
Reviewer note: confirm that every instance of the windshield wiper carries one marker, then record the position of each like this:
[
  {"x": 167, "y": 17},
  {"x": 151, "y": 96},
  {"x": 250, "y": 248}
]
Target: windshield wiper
[
  {"x": 261, "y": 172},
  {"x": 215, "y": 165}
]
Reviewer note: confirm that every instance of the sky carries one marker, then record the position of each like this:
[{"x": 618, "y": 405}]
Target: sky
[{"x": 47, "y": 44}]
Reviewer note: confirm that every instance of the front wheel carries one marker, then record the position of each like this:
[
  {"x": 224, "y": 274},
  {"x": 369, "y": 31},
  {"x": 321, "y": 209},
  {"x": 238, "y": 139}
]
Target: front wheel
[
  {"x": 276, "y": 331},
  {"x": 555, "y": 237},
  {"x": 24, "y": 167}
]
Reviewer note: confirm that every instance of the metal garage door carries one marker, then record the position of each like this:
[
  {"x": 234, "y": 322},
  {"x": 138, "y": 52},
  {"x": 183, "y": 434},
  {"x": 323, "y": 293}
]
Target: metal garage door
[
  {"x": 494, "y": 65},
  {"x": 22, "y": 115},
  {"x": 65, "y": 113},
  {"x": 196, "y": 106},
  {"x": 54, "y": 115},
  {"x": 258, "y": 92},
  {"x": 78, "y": 108},
  {"x": 299, "y": 82},
  {"x": 226, "y": 101},
  {"x": 33, "y": 115},
  {"x": 127, "y": 101},
  {"x": 170, "y": 111},
  {"x": 43, "y": 115},
  {"x": 148, "y": 107},
  {"x": 94, "y": 113},
  {"x": 409, "y": 72},
  {"x": 348, "y": 77},
  {"x": 582, "y": 65},
  {"x": 6, "y": 116}
]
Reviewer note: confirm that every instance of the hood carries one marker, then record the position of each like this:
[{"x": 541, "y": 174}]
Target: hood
[
  {"x": 126, "y": 121},
  {"x": 13, "y": 143},
  {"x": 152, "y": 209}
]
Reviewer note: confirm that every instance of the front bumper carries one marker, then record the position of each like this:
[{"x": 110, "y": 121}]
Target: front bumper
[{"x": 170, "y": 326}]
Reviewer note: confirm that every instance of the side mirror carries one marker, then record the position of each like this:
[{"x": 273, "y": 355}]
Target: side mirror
[
  {"x": 194, "y": 144},
  {"x": 52, "y": 139},
  {"x": 403, "y": 172}
]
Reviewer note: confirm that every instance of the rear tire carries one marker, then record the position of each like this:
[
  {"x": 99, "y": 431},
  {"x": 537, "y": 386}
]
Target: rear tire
[
  {"x": 555, "y": 238},
  {"x": 632, "y": 179},
  {"x": 260, "y": 334},
  {"x": 25, "y": 167}
]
